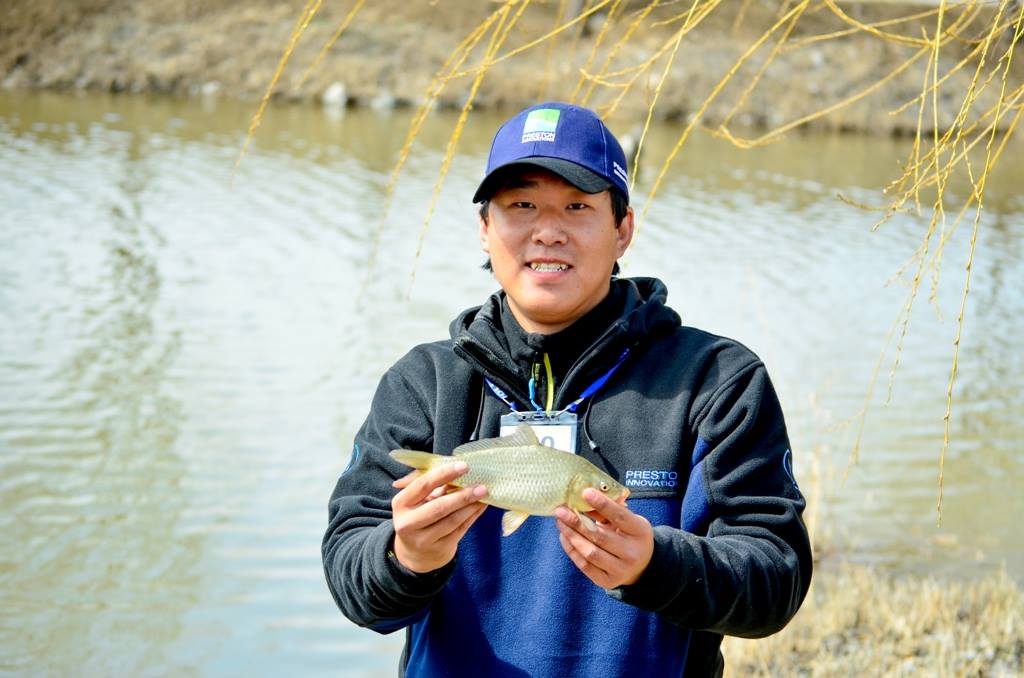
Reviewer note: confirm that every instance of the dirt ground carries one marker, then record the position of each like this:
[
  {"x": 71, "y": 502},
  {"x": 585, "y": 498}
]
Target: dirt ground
[{"x": 391, "y": 50}]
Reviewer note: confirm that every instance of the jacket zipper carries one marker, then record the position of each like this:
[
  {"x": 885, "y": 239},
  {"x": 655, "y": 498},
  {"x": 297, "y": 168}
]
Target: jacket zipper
[
  {"x": 503, "y": 377},
  {"x": 506, "y": 380}
]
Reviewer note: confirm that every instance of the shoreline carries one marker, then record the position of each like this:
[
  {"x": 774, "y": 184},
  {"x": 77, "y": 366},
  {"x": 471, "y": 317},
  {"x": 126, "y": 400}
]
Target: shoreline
[
  {"x": 857, "y": 620},
  {"x": 389, "y": 53}
]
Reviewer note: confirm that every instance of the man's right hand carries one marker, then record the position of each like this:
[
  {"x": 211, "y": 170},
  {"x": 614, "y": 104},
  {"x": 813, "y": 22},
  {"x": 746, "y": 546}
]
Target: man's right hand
[{"x": 428, "y": 522}]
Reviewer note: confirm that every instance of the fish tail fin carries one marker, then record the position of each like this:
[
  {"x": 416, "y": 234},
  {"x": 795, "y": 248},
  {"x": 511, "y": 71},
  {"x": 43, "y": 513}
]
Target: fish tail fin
[{"x": 418, "y": 460}]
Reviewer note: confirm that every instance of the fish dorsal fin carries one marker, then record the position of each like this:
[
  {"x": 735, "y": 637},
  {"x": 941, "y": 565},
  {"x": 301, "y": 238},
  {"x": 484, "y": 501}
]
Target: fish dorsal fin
[{"x": 523, "y": 437}]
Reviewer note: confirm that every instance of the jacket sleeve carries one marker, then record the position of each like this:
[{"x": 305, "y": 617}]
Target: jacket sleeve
[
  {"x": 368, "y": 583},
  {"x": 742, "y": 564}
]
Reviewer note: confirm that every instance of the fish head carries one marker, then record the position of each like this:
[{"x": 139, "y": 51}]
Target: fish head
[{"x": 601, "y": 482}]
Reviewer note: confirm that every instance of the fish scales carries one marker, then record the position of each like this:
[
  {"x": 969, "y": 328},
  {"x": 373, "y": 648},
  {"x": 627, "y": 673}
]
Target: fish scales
[
  {"x": 540, "y": 481},
  {"x": 522, "y": 476}
]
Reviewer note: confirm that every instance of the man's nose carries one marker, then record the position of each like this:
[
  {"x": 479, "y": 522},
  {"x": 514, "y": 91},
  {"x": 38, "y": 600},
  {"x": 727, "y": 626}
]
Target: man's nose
[{"x": 549, "y": 231}]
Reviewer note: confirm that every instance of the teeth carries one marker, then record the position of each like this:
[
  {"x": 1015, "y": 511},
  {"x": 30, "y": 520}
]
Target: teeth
[{"x": 548, "y": 268}]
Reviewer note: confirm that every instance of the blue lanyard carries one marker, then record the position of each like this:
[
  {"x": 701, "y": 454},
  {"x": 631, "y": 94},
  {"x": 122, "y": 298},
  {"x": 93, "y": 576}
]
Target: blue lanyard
[
  {"x": 589, "y": 391},
  {"x": 501, "y": 394},
  {"x": 592, "y": 389}
]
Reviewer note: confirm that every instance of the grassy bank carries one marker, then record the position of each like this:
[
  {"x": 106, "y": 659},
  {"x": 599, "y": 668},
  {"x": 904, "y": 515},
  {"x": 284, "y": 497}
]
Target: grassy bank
[{"x": 859, "y": 622}]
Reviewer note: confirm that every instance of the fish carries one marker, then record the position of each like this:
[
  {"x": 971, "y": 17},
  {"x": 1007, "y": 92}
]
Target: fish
[{"x": 522, "y": 476}]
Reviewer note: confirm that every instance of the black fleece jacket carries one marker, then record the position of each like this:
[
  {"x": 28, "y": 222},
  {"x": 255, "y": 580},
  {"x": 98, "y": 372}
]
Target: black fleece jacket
[{"x": 689, "y": 422}]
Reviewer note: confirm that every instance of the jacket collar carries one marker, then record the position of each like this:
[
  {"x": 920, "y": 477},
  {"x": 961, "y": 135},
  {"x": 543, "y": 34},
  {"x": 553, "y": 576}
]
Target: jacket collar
[{"x": 491, "y": 341}]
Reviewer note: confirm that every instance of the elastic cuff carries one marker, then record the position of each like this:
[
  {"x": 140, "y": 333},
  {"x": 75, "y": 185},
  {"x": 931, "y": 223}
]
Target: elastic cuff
[
  {"x": 419, "y": 584},
  {"x": 652, "y": 590}
]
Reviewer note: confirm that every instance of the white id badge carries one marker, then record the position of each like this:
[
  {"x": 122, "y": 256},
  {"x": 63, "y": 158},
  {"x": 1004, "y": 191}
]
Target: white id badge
[{"x": 557, "y": 431}]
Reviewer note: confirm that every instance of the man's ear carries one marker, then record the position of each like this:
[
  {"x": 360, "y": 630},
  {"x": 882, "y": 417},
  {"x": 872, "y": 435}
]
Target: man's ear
[
  {"x": 624, "y": 232},
  {"x": 484, "y": 234}
]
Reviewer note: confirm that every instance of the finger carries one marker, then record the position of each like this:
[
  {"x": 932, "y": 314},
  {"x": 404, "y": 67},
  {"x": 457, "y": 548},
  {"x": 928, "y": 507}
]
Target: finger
[
  {"x": 442, "y": 537},
  {"x": 577, "y": 560},
  {"x": 594, "y": 547},
  {"x": 404, "y": 481},
  {"x": 426, "y": 515},
  {"x": 613, "y": 512},
  {"x": 438, "y": 492},
  {"x": 589, "y": 570},
  {"x": 460, "y": 531},
  {"x": 605, "y": 534},
  {"x": 566, "y": 515},
  {"x": 571, "y": 519},
  {"x": 455, "y": 524},
  {"x": 418, "y": 490}
]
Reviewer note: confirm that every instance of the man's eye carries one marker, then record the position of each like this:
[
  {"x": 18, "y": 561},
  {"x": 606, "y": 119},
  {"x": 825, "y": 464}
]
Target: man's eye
[
  {"x": 577, "y": 206},
  {"x": 522, "y": 204}
]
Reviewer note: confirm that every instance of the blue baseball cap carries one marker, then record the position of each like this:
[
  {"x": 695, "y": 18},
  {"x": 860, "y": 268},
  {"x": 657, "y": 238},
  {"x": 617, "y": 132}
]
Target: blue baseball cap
[{"x": 570, "y": 141}]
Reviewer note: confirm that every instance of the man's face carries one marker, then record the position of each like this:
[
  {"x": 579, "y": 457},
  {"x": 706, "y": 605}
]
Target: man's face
[{"x": 552, "y": 248}]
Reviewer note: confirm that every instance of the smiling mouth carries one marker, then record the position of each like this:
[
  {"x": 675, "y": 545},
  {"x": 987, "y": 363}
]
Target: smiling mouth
[{"x": 548, "y": 266}]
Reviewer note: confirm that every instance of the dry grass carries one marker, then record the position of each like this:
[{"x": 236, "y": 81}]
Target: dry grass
[
  {"x": 858, "y": 622},
  {"x": 862, "y": 621}
]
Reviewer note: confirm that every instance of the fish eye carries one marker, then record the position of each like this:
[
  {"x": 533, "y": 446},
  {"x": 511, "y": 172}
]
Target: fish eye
[{"x": 604, "y": 486}]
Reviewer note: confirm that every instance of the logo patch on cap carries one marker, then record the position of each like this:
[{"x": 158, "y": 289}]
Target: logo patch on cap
[{"x": 540, "y": 125}]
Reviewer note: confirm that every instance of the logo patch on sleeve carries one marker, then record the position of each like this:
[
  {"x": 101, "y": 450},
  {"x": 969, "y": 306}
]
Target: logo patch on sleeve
[
  {"x": 787, "y": 466},
  {"x": 651, "y": 478},
  {"x": 540, "y": 125}
]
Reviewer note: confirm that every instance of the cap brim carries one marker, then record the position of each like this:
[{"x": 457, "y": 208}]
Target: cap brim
[{"x": 577, "y": 175}]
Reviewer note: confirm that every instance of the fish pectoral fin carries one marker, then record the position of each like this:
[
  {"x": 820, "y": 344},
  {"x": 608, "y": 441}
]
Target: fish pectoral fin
[
  {"x": 587, "y": 521},
  {"x": 511, "y": 521}
]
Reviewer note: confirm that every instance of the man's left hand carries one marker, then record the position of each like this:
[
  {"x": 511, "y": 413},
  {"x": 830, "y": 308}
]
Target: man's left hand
[{"x": 617, "y": 552}]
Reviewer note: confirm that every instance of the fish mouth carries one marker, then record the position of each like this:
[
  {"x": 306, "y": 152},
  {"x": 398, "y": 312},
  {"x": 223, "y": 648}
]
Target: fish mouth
[{"x": 625, "y": 493}]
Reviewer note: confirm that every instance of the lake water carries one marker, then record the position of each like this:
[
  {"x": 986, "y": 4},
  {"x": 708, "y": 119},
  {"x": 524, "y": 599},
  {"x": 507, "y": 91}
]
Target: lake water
[{"x": 186, "y": 354}]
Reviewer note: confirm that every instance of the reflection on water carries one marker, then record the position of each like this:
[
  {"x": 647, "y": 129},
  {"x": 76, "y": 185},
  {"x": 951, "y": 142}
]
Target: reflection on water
[
  {"x": 183, "y": 363},
  {"x": 91, "y": 474}
]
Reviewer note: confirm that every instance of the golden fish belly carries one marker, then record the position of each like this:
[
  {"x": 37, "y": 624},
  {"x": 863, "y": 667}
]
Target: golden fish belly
[{"x": 531, "y": 479}]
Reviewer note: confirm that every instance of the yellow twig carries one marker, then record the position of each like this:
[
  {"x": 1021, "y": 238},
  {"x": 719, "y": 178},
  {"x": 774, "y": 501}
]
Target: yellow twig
[
  {"x": 602, "y": 75},
  {"x": 455, "y": 60},
  {"x": 501, "y": 32},
  {"x": 308, "y": 12},
  {"x": 693, "y": 19},
  {"x": 549, "y": 58},
  {"x": 707, "y": 102},
  {"x": 871, "y": 28},
  {"x": 330, "y": 43},
  {"x": 532, "y": 43},
  {"x": 779, "y": 131},
  {"x": 761, "y": 71},
  {"x": 979, "y": 192},
  {"x": 824, "y": 37},
  {"x": 608, "y": 22},
  {"x": 863, "y": 414},
  {"x": 654, "y": 102}
]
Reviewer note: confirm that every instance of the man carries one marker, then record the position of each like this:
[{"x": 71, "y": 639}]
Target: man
[{"x": 710, "y": 542}]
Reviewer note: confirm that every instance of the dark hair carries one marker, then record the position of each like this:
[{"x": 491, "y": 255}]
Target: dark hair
[{"x": 620, "y": 208}]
